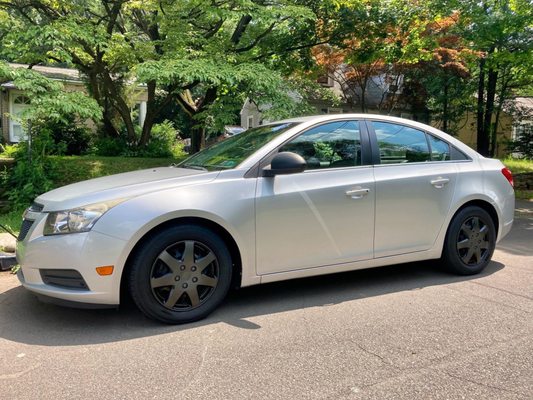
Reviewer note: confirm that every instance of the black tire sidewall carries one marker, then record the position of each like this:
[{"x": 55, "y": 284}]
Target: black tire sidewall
[
  {"x": 451, "y": 259},
  {"x": 144, "y": 257}
]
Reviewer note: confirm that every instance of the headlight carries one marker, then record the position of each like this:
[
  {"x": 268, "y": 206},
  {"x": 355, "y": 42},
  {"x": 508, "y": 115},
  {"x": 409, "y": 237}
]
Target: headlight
[{"x": 77, "y": 220}]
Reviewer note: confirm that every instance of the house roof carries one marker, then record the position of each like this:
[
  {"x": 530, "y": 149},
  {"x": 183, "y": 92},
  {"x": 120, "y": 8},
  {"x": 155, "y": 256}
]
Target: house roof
[
  {"x": 524, "y": 102},
  {"x": 59, "y": 73}
]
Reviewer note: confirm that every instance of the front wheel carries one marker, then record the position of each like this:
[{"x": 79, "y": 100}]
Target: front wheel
[
  {"x": 180, "y": 274},
  {"x": 470, "y": 241}
]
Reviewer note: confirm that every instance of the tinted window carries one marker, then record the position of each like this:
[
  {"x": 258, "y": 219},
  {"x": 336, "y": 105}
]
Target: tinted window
[
  {"x": 440, "y": 150},
  {"x": 400, "y": 144},
  {"x": 458, "y": 154},
  {"x": 332, "y": 145}
]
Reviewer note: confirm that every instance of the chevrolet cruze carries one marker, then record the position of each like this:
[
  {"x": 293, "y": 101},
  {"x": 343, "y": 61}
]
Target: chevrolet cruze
[{"x": 290, "y": 199}]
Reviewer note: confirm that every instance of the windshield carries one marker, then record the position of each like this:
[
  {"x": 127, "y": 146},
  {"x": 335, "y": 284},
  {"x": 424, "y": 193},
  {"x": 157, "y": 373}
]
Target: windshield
[{"x": 232, "y": 151}]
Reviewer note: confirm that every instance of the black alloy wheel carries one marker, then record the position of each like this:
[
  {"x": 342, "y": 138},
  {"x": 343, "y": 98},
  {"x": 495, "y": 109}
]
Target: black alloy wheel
[
  {"x": 180, "y": 274},
  {"x": 184, "y": 275},
  {"x": 470, "y": 241}
]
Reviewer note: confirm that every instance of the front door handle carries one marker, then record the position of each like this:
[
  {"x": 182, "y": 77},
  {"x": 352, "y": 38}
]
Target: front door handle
[
  {"x": 357, "y": 193},
  {"x": 439, "y": 182}
]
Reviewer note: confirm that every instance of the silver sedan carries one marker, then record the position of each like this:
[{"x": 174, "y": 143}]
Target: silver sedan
[{"x": 295, "y": 198}]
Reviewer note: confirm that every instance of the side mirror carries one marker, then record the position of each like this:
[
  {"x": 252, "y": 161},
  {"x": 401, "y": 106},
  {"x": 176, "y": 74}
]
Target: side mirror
[{"x": 285, "y": 163}]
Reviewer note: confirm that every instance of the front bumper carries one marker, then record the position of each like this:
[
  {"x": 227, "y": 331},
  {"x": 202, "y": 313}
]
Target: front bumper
[{"x": 82, "y": 252}]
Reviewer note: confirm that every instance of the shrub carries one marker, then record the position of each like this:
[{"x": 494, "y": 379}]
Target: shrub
[
  {"x": 164, "y": 142},
  {"x": 109, "y": 147},
  {"x": 8, "y": 151},
  {"x": 524, "y": 142},
  {"x": 32, "y": 174}
]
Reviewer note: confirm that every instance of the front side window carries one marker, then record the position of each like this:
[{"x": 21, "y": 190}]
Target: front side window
[
  {"x": 400, "y": 143},
  {"x": 331, "y": 145}
]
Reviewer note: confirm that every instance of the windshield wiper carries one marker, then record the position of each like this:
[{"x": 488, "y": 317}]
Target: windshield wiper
[{"x": 198, "y": 167}]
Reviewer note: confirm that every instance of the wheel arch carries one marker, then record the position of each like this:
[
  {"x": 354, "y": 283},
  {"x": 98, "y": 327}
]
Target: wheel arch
[
  {"x": 199, "y": 221},
  {"x": 485, "y": 205}
]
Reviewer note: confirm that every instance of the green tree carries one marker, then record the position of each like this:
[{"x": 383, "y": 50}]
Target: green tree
[
  {"x": 502, "y": 30},
  {"x": 205, "y": 56}
]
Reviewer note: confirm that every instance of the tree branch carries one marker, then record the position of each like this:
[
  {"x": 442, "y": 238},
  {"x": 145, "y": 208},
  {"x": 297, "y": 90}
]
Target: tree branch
[{"x": 256, "y": 41}]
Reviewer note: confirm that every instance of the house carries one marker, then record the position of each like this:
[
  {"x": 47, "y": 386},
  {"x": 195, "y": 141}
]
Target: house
[
  {"x": 384, "y": 95},
  {"x": 14, "y": 101}
]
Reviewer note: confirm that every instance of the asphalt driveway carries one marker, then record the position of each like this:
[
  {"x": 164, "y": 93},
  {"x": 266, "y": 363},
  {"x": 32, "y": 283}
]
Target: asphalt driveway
[{"x": 400, "y": 332}]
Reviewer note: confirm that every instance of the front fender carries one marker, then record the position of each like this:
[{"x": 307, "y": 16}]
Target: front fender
[{"x": 229, "y": 203}]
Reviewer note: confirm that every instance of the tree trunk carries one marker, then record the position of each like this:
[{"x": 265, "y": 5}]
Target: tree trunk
[
  {"x": 197, "y": 139},
  {"x": 363, "y": 97},
  {"x": 482, "y": 140},
  {"x": 150, "y": 115},
  {"x": 445, "y": 108},
  {"x": 488, "y": 126},
  {"x": 501, "y": 99}
]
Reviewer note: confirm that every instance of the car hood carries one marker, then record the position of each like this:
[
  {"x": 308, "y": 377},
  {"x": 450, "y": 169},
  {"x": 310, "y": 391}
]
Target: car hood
[{"x": 121, "y": 186}]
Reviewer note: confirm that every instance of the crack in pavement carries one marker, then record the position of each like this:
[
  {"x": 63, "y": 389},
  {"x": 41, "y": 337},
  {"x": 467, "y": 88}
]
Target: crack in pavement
[
  {"x": 489, "y": 300},
  {"x": 502, "y": 290},
  {"x": 482, "y": 384},
  {"x": 19, "y": 374}
]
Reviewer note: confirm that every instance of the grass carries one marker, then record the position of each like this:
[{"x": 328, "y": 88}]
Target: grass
[
  {"x": 72, "y": 169},
  {"x": 518, "y": 166},
  {"x": 524, "y": 194},
  {"x": 11, "y": 220}
]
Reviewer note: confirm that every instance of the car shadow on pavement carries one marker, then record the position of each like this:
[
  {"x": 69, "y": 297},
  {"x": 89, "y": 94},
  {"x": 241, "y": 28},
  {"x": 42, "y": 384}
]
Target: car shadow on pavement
[{"x": 24, "y": 319}]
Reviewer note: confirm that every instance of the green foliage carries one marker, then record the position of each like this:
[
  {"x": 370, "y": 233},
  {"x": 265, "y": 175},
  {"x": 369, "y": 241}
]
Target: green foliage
[
  {"x": 108, "y": 146},
  {"x": 164, "y": 142},
  {"x": 12, "y": 220},
  {"x": 518, "y": 166},
  {"x": 198, "y": 55},
  {"x": 31, "y": 175},
  {"x": 8, "y": 151},
  {"x": 523, "y": 143},
  {"x": 71, "y": 169}
]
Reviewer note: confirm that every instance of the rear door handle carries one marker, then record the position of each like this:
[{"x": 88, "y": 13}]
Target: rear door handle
[
  {"x": 439, "y": 182},
  {"x": 357, "y": 193}
]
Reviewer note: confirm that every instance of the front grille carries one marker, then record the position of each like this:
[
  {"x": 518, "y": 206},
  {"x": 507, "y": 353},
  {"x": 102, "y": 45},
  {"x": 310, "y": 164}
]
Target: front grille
[
  {"x": 36, "y": 207},
  {"x": 64, "y": 278},
  {"x": 24, "y": 229}
]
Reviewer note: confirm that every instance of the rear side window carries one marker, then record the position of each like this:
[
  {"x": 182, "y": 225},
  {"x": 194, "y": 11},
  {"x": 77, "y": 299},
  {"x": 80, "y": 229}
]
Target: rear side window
[
  {"x": 331, "y": 145},
  {"x": 458, "y": 154},
  {"x": 440, "y": 150},
  {"x": 400, "y": 143}
]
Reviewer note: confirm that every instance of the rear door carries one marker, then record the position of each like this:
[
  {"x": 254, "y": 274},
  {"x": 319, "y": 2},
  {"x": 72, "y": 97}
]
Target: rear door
[{"x": 415, "y": 181}]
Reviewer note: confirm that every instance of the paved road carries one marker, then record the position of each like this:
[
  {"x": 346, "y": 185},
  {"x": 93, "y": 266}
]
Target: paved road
[{"x": 402, "y": 332}]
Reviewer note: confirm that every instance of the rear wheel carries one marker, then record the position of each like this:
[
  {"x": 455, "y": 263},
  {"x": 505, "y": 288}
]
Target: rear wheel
[
  {"x": 180, "y": 274},
  {"x": 470, "y": 241}
]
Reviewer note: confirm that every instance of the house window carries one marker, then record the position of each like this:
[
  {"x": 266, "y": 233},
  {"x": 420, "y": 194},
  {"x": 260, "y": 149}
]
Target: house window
[
  {"x": 522, "y": 129},
  {"x": 325, "y": 80},
  {"x": 18, "y": 104}
]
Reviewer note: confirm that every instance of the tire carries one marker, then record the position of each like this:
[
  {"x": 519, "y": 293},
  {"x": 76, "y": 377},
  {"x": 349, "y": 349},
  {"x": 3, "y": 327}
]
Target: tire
[
  {"x": 180, "y": 274},
  {"x": 470, "y": 241}
]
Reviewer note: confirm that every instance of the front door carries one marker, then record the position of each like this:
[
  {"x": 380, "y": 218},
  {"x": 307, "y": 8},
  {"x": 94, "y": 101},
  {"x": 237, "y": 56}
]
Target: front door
[{"x": 324, "y": 215}]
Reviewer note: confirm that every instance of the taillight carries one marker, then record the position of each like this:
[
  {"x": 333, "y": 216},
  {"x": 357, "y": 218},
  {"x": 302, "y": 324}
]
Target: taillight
[{"x": 508, "y": 175}]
